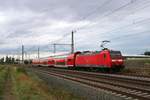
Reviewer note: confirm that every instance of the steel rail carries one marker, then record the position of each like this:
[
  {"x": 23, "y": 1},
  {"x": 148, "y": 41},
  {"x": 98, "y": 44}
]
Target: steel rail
[{"x": 137, "y": 93}]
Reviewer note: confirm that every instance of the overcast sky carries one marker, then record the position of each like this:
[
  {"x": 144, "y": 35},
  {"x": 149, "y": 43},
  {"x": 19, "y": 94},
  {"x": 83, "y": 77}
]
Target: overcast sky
[{"x": 34, "y": 23}]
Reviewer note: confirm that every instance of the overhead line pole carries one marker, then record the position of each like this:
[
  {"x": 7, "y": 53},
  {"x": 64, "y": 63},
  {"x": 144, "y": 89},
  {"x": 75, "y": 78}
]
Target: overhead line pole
[
  {"x": 72, "y": 42},
  {"x": 22, "y": 54},
  {"x": 38, "y": 52},
  {"x": 54, "y": 48}
]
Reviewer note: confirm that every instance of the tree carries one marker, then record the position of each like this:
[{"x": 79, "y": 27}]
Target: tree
[
  {"x": 147, "y": 53},
  {"x": 7, "y": 60},
  {"x": 13, "y": 60},
  {"x": 26, "y": 62},
  {"x": 2, "y": 60}
]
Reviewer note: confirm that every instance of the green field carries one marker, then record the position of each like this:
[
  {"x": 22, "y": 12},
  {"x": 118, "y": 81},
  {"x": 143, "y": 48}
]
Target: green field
[
  {"x": 18, "y": 84},
  {"x": 137, "y": 62},
  {"x": 136, "y": 66}
]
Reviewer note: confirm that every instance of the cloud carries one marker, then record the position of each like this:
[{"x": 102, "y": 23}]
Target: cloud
[{"x": 39, "y": 22}]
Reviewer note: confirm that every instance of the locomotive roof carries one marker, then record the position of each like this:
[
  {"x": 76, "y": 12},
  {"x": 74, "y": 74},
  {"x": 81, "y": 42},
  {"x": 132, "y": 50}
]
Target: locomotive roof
[
  {"x": 89, "y": 52},
  {"x": 96, "y": 52}
]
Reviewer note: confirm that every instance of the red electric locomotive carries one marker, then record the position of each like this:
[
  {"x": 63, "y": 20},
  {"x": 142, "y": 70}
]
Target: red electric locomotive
[{"x": 104, "y": 60}]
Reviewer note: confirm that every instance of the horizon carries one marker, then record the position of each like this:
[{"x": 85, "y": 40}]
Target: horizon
[{"x": 40, "y": 23}]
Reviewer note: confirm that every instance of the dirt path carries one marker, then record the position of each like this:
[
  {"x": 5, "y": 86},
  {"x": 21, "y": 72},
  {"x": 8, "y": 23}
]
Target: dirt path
[{"x": 8, "y": 95}]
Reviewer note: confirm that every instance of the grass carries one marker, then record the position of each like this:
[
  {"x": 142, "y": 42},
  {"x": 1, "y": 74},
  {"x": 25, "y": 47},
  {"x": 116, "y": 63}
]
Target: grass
[
  {"x": 27, "y": 86},
  {"x": 137, "y": 66},
  {"x": 2, "y": 81},
  {"x": 137, "y": 62},
  {"x": 137, "y": 71}
]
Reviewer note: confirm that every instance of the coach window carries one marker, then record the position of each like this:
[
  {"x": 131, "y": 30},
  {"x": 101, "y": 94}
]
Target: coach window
[
  {"x": 104, "y": 56},
  {"x": 69, "y": 59}
]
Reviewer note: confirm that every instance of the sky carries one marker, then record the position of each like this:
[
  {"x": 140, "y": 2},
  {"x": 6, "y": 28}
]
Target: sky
[{"x": 40, "y": 23}]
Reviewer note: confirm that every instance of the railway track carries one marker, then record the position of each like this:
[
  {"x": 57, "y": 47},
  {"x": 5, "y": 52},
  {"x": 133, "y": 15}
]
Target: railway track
[{"x": 128, "y": 87}]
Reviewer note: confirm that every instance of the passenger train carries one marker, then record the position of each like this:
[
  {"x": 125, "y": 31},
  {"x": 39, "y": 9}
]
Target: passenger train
[{"x": 105, "y": 60}]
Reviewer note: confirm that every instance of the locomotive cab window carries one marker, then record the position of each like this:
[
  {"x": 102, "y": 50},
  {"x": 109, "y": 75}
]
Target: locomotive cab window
[{"x": 115, "y": 54}]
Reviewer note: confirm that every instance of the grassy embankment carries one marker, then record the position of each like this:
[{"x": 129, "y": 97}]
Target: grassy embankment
[
  {"x": 2, "y": 81},
  {"x": 27, "y": 86},
  {"x": 137, "y": 66}
]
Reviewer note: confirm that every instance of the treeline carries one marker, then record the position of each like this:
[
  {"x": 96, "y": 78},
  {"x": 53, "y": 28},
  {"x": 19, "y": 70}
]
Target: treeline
[
  {"x": 147, "y": 53},
  {"x": 11, "y": 60},
  {"x": 8, "y": 60}
]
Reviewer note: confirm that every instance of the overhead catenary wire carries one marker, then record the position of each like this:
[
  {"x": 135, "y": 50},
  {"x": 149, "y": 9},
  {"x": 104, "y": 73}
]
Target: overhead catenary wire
[
  {"x": 84, "y": 18},
  {"x": 108, "y": 14},
  {"x": 135, "y": 22},
  {"x": 96, "y": 9},
  {"x": 67, "y": 34},
  {"x": 119, "y": 29},
  {"x": 129, "y": 35}
]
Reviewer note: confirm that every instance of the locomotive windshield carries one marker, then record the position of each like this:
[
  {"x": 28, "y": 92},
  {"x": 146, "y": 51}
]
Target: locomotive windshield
[{"x": 115, "y": 54}]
